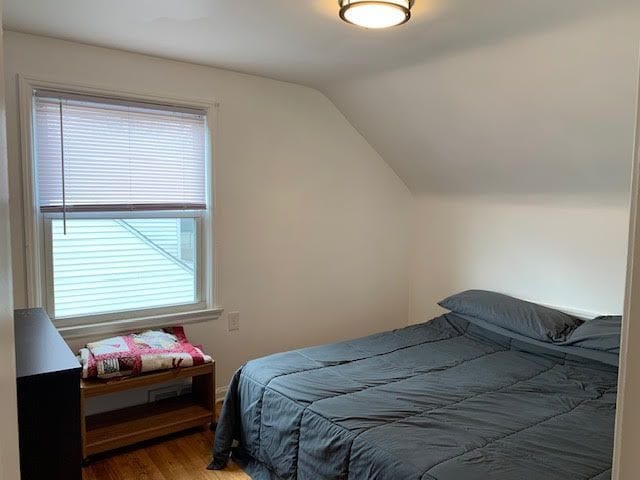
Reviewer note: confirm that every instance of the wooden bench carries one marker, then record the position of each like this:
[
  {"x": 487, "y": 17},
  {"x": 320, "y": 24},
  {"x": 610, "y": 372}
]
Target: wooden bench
[{"x": 119, "y": 428}]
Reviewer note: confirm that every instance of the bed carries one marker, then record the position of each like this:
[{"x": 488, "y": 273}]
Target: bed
[{"x": 456, "y": 398}]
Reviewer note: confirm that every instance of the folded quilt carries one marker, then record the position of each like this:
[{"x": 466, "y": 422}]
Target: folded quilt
[{"x": 138, "y": 353}]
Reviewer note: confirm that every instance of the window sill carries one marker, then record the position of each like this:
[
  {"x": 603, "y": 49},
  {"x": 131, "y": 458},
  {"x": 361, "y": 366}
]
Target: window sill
[{"x": 129, "y": 325}]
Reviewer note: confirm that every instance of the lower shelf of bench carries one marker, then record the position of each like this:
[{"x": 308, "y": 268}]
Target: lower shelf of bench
[{"x": 120, "y": 428}]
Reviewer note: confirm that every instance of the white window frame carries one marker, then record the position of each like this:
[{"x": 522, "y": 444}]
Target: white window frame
[{"x": 40, "y": 280}]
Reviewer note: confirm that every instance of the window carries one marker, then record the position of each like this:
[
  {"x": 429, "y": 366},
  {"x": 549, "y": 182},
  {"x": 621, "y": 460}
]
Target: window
[
  {"x": 106, "y": 265},
  {"x": 121, "y": 193}
]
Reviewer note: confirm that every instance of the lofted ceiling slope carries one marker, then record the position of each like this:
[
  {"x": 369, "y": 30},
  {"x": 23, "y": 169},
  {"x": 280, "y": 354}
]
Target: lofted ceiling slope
[
  {"x": 544, "y": 112},
  {"x": 498, "y": 96}
]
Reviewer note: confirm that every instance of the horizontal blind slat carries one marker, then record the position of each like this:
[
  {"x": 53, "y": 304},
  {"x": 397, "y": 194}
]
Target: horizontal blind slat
[
  {"x": 109, "y": 207},
  {"x": 53, "y": 96},
  {"x": 120, "y": 155}
]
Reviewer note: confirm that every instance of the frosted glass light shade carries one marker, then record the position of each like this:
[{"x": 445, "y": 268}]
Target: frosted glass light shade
[{"x": 375, "y": 14}]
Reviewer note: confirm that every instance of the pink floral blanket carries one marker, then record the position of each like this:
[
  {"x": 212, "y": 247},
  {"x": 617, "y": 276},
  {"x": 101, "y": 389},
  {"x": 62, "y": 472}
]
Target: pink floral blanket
[{"x": 139, "y": 353}]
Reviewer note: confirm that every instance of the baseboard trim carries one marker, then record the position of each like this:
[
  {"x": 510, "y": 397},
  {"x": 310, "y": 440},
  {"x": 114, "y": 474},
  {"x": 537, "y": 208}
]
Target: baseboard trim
[{"x": 221, "y": 392}]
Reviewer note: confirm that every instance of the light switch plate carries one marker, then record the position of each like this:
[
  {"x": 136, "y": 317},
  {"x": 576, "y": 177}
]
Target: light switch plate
[{"x": 234, "y": 321}]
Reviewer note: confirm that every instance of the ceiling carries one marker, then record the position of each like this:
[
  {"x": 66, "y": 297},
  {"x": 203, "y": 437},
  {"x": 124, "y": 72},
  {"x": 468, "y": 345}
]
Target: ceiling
[
  {"x": 298, "y": 41},
  {"x": 419, "y": 93}
]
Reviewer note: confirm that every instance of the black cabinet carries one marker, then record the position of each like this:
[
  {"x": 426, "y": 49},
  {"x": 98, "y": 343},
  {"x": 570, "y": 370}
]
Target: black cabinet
[{"x": 48, "y": 382}]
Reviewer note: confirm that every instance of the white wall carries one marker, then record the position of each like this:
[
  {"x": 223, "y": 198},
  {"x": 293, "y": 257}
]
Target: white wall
[
  {"x": 518, "y": 149},
  {"x": 565, "y": 251},
  {"x": 311, "y": 226},
  {"x": 9, "y": 468}
]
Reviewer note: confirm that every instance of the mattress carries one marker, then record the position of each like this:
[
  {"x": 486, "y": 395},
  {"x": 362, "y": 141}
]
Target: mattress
[{"x": 444, "y": 400}]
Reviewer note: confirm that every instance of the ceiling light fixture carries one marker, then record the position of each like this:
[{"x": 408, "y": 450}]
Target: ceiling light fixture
[{"x": 375, "y": 13}]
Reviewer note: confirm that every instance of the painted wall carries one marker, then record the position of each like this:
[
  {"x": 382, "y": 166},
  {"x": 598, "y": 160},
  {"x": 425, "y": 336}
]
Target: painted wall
[
  {"x": 569, "y": 252},
  {"x": 311, "y": 224},
  {"x": 518, "y": 149},
  {"x": 9, "y": 463}
]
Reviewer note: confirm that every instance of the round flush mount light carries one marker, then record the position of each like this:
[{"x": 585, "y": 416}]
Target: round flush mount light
[{"x": 375, "y": 13}]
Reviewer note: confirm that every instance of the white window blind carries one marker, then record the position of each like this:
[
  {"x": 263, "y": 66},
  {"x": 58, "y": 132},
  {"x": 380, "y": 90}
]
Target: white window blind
[{"x": 96, "y": 154}]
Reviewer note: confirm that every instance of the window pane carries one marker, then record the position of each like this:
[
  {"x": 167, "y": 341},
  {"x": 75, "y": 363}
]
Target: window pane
[{"x": 113, "y": 265}]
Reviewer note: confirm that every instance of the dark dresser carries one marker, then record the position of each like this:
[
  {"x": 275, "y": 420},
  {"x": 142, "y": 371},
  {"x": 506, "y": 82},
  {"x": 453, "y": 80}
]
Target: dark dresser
[{"x": 48, "y": 378}]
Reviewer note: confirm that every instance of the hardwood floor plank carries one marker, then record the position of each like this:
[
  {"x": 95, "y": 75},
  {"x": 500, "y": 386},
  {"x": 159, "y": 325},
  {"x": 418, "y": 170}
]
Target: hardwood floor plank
[
  {"x": 173, "y": 468},
  {"x": 192, "y": 461},
  {"x": 179, "y": 457},
  {"x": 183, "y": 457},
  {"x": 138, "y": 465}
]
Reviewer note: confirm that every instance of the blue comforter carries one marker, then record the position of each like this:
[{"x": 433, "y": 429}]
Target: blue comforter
[{"x": 444, "y": 400}]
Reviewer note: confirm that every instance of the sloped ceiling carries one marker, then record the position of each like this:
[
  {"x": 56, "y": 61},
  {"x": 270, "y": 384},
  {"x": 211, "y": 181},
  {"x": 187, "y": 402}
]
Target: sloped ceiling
[
  {"x": 549, "y": 111},
  {"x": 492, "y": 96}
]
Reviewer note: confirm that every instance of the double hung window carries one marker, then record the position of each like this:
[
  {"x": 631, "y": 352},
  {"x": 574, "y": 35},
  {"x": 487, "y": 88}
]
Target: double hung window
[{"x": 122, "y": 196}]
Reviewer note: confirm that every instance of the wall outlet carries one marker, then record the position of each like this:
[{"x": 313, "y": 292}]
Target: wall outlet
[{"x": 234, "y": 321}]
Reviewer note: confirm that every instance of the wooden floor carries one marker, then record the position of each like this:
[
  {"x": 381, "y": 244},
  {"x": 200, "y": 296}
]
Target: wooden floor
[{"x": 180, "y": 457}]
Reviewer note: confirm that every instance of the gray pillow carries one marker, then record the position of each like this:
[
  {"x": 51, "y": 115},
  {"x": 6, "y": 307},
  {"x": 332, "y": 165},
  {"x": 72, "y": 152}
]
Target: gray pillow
[
  {"x": 601, "y": 333},
  {"x": 518, "y": 316}
]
